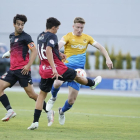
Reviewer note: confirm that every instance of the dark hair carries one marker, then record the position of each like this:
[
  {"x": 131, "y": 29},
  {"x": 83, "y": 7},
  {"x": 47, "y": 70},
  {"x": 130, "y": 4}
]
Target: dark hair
[
  {"x": 20, "y": 17},
  {"x": 52, "y": 22}
]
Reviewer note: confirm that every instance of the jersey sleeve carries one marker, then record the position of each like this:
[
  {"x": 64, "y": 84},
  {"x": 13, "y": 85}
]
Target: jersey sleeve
[
  {"x": 91, "y": 40},
  {"x": 65, "y": 38},
  {"x": 51, "y": 41},
  {"x": 29, "y": 42}
]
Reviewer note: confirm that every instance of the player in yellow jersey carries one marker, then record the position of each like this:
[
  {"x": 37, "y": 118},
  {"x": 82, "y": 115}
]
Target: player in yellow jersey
[{"x": 75, "y": 44}]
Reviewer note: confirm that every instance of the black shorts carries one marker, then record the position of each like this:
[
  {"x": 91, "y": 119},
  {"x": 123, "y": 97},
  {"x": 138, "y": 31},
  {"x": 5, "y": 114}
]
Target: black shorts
[
  {"x": 12, "y": 76},
  {"x": 46, "y": 84}
]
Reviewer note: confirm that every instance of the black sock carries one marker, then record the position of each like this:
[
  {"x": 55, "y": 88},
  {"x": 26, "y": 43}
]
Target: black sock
[
  {"x": 37, "y": 114},
  {"x": 4, "y": 100},
  {"x": 44, "y": 107},
  {"x": 90, "y": 82}
]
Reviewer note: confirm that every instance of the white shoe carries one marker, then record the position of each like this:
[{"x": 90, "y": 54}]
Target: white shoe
[
  {"x": 49, "y": 104},
  {"x": 61, "y": 117},
  {"x": 33, "y": 126},
  {"x": 50, "y": 116},
  {"x": 10, "y": 114},
  {"x": 97, "y": 81}
]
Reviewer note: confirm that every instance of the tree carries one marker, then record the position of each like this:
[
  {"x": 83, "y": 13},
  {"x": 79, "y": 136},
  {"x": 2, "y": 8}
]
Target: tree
[
  {"x": 128, "y": 61},
  {"x": 138, "y": 63},
  {"x": 119, "y": 61},
  {"x": 87, "y": 65},
  {"x": 112, "y": 56},
  {"x": 97, "y": 62}
]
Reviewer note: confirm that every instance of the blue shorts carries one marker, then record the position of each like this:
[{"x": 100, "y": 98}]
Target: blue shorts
[{"x": 74, "y": 84}]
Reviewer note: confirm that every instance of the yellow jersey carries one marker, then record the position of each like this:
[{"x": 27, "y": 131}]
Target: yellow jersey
[{"x": 75, "y": 49}]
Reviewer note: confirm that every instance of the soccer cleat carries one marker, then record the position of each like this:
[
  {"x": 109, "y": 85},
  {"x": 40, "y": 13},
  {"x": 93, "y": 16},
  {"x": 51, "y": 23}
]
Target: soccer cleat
[
  {"x": 49, "y": 104},
  {"x": 10, "y": 114},
  {"x": 61, "y": 117},
  {"x": 33, "y": 126},
  {"x": 50, "y": 116},
  {"x": 97, "y": 81}
]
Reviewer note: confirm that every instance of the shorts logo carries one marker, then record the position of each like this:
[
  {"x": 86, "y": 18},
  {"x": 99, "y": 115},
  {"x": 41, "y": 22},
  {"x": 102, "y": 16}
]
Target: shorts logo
[
  {"x": 4, "y": 75},
  {"x": 52, "y": 41},
  {"x": 16, "y": 39},
  {"x": 30, "y": 81}
]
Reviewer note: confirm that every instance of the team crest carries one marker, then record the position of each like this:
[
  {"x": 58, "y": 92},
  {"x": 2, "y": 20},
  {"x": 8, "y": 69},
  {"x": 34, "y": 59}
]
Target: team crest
[
  {"x": 16, "y": 39},
  {"x": 85, "y": 41}
]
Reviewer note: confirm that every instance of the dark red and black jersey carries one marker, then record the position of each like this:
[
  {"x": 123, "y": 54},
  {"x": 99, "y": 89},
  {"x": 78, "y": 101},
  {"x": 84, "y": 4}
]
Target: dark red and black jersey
[
  {"x": 19, "y": 47},
  {"x": 49, "y": 39}
]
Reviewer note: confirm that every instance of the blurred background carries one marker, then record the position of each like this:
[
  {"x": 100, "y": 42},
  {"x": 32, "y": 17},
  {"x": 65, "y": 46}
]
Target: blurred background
[{"x": 112, "y": 23}]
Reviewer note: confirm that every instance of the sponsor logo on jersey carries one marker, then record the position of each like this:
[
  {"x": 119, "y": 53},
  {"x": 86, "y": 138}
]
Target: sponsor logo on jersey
[{"x": 78, "y": 46}]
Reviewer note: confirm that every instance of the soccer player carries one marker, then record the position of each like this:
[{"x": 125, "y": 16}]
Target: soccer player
[
  {"x": 75, "y": 45},
  {"x": 20, "y": 43},
  {"x": 52, "y": 67}
]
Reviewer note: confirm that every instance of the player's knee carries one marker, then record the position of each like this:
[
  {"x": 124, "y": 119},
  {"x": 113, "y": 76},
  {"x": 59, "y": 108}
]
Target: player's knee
[
  {"x": 71, "y": 101},
  {"x": 32, "y": 95},
  {"x": 57, "y": 84}
]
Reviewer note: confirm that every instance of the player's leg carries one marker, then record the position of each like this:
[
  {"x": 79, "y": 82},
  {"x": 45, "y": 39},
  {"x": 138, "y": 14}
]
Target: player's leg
[
  {"x": 7, "y": 80},
  {"x": 54, "y": 91},
  {"x": 71, "y": 75},
  {"x": 25, "y": 81},
  {"x": 73, "y": 92},
  {"x": 38, "y": 109},
  {"x": 87, "y": 81},
  {"x": 45, "y": 86}
]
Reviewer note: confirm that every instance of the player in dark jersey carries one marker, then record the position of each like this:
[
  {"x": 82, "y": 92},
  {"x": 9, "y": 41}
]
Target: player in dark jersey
[
  {"x": 20, "y": 43},
  {"x": 52, "y": 68}
]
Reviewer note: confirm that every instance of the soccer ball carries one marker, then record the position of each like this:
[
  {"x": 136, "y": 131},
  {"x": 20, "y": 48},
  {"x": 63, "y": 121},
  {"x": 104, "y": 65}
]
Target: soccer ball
[{"x": 81, "y": 72}]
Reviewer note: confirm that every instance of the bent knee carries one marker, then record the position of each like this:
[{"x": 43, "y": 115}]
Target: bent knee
[
  {"x": 57, "y": 83},
  {"x": 71, "y": 101}
]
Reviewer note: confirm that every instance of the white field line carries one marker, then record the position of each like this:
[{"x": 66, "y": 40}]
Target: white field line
[
  {"x": 85, "y": 92},
  {"x": 100, "y": 115}
]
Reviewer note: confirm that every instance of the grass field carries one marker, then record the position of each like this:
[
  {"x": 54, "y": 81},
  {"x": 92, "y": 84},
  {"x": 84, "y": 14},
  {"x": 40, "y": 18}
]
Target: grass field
[{"x": 91, "y": 118}]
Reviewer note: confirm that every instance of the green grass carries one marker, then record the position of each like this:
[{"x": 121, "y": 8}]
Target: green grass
[{"x": 91, "y": 118}]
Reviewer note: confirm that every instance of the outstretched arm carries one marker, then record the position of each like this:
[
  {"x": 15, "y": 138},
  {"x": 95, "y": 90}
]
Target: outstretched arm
[{"x": 105, "y": 53}]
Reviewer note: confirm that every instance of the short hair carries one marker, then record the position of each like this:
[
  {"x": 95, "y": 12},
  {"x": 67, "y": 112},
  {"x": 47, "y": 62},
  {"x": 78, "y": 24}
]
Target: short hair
[
  {"x": 20, "y": 17},
  {"x": 79, "y": 20},
  {"x": 52, "y": 22}
]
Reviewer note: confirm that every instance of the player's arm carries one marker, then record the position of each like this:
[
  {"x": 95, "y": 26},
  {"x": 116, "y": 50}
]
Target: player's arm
[
  {"x": 61, "y": 44},
  {"x": 33, "y": 54},
  {"x": 26, "y": 68},
  {"x": 49, "y": 56},
  {"x": 105, "y": 53},
  {"x": 6, "y": 55}
]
